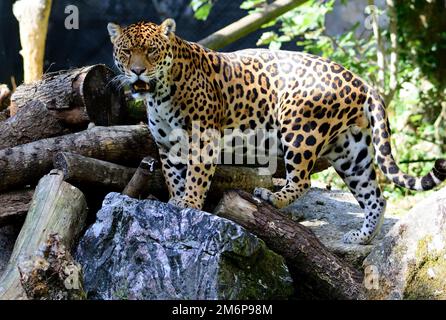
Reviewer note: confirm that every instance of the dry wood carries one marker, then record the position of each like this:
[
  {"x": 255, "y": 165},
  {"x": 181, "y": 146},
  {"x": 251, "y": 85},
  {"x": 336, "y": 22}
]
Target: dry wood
[
  {"x": 14, "y": 205},
  {"x": 33, "y": 122},
  {"x": 138, "y": 186},
  {"x": 248, "y": 24},
  {"x": 57, "y": 208},
  {"x": 25, "y": 164},
  {"x": 90, "y": 173},
  {"x": 311, "y": 264},
  {"x": 60, "y": 103},
  {"x": 88, "y": 90},
  {"x": 52, "y": 274}
]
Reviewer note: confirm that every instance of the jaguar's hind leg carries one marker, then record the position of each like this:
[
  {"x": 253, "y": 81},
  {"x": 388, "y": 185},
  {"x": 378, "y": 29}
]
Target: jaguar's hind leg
[
  {"x": 300, "y": 156},
  {"x": 352, "y": 156}
]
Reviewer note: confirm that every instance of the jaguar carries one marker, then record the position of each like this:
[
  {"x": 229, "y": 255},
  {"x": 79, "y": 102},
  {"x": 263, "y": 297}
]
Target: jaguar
[{"x": 318, "y": 108}]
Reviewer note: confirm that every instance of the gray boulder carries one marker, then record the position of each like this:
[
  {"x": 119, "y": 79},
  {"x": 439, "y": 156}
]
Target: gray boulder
[
  {"x": 332, "y": 213},
  {"x": 152, "y": 250},
  {"x": 410, "y": 262}
]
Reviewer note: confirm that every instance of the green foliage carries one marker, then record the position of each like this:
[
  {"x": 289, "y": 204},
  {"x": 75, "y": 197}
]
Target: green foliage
[
  {"x": 201, "y": 8},
  {"x": 419, "y": 132},
  {"x": 422, "y": 38}
]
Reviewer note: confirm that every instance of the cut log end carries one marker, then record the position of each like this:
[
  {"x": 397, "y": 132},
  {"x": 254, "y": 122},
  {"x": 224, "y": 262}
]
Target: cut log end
[
  {"x": 138, "y": 186},
  {"x": 52, "y": 274}
]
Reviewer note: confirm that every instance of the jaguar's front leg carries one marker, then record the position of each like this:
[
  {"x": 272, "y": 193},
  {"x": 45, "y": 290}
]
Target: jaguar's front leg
[
  {"x": 174, "y": 174},
  {"x": 198, "y": 181},
  {"x": 202, "y": 161}
]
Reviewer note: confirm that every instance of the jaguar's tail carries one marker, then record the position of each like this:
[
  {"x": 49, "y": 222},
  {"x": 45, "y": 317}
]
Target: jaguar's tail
[{"x": 375, "y": 109}]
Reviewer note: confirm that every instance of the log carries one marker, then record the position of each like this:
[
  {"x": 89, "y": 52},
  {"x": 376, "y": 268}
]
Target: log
[
  {"x": 314, "y": 268},
  {"x": 86, "y": 172},
  {"x": 25, "y": 164},
  {"x": 14, "y": 206},
  {"x": 57, "y": 208},
  {"x": 90, "y": 174},
  {"x": 52, "y": 274},
  {"x": 248, "y": 24},
  {"x": 33, "y": 122},
  {"x": 235, "y": 177},
  {"x": 62, "y": 102},
  {"x": 138, "y": 186}
]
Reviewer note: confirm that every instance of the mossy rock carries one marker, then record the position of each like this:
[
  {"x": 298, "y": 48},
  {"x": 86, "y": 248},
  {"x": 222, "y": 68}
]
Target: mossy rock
[{"x": 410, "y": 262}]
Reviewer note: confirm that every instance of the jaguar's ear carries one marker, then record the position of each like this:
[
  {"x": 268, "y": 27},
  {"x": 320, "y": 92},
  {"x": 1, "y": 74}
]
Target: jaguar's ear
[
  {"x": 114, "y": 31},
  {"x": 168, "y": 26}
]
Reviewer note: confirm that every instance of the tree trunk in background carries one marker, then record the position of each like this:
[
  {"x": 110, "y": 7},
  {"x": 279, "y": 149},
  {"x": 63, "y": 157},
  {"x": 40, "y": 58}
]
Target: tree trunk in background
[
  {"x": 33, "y": 18},
  {"x": 380, "y": 50},
  {"x": 248, "y": 24}
]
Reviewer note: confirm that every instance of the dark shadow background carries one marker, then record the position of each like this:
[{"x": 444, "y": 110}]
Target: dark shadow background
[{"x": 90, "y": 44}]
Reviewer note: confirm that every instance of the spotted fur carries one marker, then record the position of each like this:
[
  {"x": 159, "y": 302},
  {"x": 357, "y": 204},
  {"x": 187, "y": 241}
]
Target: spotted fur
[{"x": 320, "y": 109}]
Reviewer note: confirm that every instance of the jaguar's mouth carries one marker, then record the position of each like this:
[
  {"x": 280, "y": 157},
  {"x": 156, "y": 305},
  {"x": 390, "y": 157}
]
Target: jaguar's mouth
[{"x": 141, "y": 86}]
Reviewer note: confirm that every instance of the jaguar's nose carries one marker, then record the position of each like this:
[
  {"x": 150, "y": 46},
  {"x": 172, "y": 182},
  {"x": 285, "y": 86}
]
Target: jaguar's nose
[{"x": 138, "y": 71}]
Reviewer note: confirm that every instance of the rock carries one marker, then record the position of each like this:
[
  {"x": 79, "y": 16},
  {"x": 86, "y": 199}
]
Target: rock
[
  {"x": 152, "y": 250},
  {"x": 410, "y": 262},
  {"x": 8, "y": 235},
  {"x": 332, "y": 213}
]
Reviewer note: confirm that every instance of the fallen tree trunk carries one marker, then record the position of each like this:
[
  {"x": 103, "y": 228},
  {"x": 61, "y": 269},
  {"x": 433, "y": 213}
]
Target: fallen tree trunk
[
  {"x": 62, "y": 102},
  {"x": 33, "y": 122},
  {"x": 88, "y": 172},
  {"x": 26, "y": 164},
  {"x": 57, "y": 207},
  {"x": 14, "y": 206},
  {"x": 313, "y": 267}
]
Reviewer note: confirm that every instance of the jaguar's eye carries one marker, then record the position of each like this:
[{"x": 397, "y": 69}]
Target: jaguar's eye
[
  {"x": 151, "y": 50},
  {"x": 126, "y": 52}
]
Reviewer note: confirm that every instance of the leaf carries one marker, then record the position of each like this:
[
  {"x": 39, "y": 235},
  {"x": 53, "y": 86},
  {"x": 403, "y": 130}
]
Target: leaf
[
  {"x": 251, "y": 4},
  {"x": 202, "y": 13}
]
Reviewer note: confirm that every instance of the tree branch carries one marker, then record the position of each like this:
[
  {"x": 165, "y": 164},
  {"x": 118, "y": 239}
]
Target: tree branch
[{"x": 248, "y": 24}]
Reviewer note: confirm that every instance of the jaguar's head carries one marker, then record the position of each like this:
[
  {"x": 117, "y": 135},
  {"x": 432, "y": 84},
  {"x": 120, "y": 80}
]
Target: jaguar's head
[{"x": 142, "y": 52}]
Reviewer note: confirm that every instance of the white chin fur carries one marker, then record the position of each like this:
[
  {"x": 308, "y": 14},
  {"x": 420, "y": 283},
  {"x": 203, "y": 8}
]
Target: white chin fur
[{"x": 139, "y": 95}]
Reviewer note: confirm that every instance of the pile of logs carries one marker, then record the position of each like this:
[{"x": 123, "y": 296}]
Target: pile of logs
[{"x": 68, "y": 140}]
